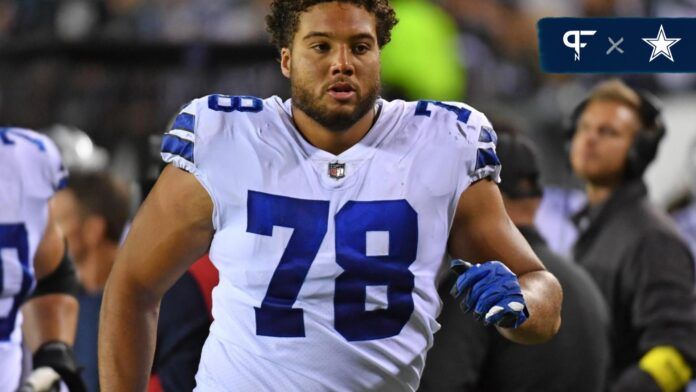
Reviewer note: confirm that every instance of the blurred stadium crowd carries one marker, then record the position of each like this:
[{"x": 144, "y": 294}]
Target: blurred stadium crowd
[
  {"x": 118, "y": 69},
  {"x": 104, "y": 77}
]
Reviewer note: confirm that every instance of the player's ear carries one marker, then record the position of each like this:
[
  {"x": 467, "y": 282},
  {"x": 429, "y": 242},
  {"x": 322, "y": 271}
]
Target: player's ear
[{"x": 285, "y": 62}]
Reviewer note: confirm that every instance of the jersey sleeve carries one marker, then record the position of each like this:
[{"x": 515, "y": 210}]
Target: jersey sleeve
[
  {"x": 480, "y": 159},
  {"x": 43, "y": 169},
  {"x": 56, "y": 172},
  {"x": 190, "y": 145},
  {"x": 487, "y": 164},
  {"x": 178, "y": 144}
]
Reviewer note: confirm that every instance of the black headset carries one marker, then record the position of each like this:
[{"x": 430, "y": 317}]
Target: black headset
[
  {"x": 520, "y": 178},
  {"x": 646, "y": 141}
]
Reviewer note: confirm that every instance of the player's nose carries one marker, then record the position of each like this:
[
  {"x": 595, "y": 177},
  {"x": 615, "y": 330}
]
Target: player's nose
[{"x": 342, "y": 61}]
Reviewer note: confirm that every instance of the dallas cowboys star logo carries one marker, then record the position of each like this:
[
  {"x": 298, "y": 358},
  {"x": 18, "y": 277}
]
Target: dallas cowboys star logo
[{"x": 661, "y": 45}]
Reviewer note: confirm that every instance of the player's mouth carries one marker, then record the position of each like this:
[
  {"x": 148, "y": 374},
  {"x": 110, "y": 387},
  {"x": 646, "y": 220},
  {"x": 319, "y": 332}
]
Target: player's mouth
[{"x": 342, "y": 91}]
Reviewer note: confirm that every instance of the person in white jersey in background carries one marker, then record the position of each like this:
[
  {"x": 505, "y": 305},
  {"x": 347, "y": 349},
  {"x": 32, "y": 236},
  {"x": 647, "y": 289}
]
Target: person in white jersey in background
[
  {"x": 330, "y": 217},
  {"x": 37, "y": 280}
]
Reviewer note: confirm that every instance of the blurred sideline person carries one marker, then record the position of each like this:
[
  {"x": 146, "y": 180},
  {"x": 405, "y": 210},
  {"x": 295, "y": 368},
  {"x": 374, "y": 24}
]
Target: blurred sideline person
[
  {"x": 329, "y": 217},
  {"x": 685, "y": 215},
  {"x": 468, "y": 357},
  {"x": 35, "y": 274},
  {"x": 630, "y": 248},
  {"x": 554, "y": 217},
  {"x": 92, "y": 211}
]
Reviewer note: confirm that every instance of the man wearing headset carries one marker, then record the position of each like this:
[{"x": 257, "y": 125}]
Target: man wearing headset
[{"x": 640, "y": 263}]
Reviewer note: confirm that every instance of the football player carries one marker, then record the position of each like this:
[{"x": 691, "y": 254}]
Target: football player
[
  {"x": 36, "y": 276},
  {"x": 330, "y": 217}
]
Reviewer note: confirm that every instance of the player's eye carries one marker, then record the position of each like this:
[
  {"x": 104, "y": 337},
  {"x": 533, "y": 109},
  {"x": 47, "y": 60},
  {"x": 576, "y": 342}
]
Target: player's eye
[
  {"x": 320, "y": 48},
  {"x": 361, "y": 48}
]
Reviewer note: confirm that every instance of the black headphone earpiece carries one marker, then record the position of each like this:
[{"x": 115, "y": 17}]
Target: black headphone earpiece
[{"x": 644, "y": 147}]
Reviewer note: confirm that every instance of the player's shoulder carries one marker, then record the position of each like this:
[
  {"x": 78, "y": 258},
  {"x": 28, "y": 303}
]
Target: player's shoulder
[
  {"x": 36, "y": 155},
  {"x": 438, "y": 118},
  {"x": 448, "y": 129},
  {"x": 207, "y": 124},
  {"x": 223, "y": 109},
  {"x": 29, "y": 141},
  {"x": 33, "y": 145},
  {"x": 440, "y": 112},
  {"x": 209, "y": 118}
]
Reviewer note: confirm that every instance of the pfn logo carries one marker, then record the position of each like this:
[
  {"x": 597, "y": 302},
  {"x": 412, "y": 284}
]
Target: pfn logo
[{"x": 576, "y": 43}]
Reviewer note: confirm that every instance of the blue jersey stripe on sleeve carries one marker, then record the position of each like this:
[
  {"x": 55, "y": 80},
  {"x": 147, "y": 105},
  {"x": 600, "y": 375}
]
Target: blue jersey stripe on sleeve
[
  {"x": 62, "y": 183},
  {"x": 486, "y": 157},
  {"x": 22, "y": 134},
  {"x": 488, "y": 135},
  {"x": 174, "y": 145},
  {"x": 185, "y": 122}
]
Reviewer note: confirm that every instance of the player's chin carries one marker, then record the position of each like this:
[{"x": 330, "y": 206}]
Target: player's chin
[{"x": 341, "y": 109}]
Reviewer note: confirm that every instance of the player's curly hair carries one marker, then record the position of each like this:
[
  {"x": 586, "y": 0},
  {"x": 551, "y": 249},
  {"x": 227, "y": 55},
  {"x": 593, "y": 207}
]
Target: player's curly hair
[{"x": 283, "y": 20}]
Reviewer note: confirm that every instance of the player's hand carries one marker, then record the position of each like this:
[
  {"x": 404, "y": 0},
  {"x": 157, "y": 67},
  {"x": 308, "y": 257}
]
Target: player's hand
[
  {"x": 492, "y": 291},
  {"x": 51, "y": 359}
]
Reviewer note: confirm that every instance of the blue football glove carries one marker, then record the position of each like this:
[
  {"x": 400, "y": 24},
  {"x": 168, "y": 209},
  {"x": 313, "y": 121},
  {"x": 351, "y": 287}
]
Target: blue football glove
[{"x": 492, "y": 291}]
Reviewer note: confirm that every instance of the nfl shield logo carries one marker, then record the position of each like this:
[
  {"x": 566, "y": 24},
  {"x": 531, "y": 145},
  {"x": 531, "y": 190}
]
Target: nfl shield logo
[{"x": 337, "y": 170}]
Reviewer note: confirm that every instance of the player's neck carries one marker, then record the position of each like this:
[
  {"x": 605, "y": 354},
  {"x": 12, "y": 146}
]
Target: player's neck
[{"x": 331, "y": 141}]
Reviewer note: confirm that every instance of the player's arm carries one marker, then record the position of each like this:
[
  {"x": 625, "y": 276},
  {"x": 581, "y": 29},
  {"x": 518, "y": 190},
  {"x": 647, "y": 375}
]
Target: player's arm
[
  {"x": 172, "y": 229},
  {"x": 50, "y": 315},
  {"x": 482, "y": 231}
]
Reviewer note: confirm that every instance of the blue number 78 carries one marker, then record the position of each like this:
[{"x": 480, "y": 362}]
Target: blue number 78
[{"x": 309, "y": 219}]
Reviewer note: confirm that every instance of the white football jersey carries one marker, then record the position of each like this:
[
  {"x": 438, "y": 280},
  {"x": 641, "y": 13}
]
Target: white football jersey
[
  {"x": 328, "y": 263},
  {"x": 30, "y": 173}
]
